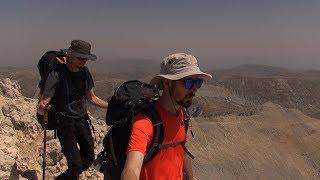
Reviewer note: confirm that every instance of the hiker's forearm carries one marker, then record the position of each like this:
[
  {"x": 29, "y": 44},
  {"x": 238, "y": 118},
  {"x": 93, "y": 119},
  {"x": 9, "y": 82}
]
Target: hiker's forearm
[
  {"x": 128, "y": 174},
  {"x": 133, "y": 165},
  {"x": 95, "y": 100},
  {"x": 187, "y": 167},
  {"x": 98, "y": 102}
]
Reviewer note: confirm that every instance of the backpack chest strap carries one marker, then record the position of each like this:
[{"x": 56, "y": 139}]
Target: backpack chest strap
[
  {"x": 159, "y": 136},
  {"x": 174, "y": 144}
]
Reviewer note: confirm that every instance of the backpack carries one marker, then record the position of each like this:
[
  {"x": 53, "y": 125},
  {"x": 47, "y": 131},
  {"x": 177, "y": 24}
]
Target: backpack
[
  {"x": 129, "y": 99},
  {"x": 49, "y": 62}
]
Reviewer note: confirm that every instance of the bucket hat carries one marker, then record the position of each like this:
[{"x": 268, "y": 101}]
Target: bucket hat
[
  {"x": 178, "y": 66},
  {"x": 80, "y": 48}
]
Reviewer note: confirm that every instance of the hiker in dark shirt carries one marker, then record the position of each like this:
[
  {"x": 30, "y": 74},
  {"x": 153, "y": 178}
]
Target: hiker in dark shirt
[{"x": 71, "y": 85}]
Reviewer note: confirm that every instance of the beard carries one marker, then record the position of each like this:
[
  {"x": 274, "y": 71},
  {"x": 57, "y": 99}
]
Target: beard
[{"x": 187, "y": 100}]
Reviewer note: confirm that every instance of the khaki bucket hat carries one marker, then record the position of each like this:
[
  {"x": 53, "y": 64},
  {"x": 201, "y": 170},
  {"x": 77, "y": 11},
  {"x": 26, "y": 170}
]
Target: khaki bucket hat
[{"x": 178, "y": 66}]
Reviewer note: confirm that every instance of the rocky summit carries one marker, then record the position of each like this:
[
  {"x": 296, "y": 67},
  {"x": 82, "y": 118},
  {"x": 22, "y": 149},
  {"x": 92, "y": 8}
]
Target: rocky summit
[{"x": 21, "y": 145}]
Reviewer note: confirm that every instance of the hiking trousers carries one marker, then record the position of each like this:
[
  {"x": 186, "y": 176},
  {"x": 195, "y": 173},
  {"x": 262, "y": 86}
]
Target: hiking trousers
[{"x": 71, "y": 133}]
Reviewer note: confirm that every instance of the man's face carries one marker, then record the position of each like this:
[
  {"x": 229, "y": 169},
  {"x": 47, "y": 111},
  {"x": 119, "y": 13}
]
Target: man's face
[
  {"x": 79, "y": 62},
  {"x": 184, "y": 90}
]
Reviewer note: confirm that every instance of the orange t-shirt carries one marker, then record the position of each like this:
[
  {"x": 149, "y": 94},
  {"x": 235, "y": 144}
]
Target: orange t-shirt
[{"x": 168, "y": 162}]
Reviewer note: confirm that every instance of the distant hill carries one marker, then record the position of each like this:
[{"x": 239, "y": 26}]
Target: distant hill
[
  {"x": 260, "y": 84},
  {"x": 253, "y": 84},
  {"x": 135, "y": 67},
  {"x": 254, "y": 70}
]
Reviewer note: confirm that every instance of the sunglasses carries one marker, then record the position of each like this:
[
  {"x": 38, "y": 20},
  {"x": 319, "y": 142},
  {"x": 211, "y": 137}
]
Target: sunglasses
[
  {"x": 82, "y": 59},
  {"x": 189, "y": 83}
]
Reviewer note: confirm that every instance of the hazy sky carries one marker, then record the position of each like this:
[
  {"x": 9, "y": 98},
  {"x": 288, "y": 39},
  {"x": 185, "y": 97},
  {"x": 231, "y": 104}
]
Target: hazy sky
[{"x": 220, "y": 33}]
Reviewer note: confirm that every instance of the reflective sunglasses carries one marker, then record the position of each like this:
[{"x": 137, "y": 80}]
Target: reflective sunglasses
[{"x": 189, "y": 83}]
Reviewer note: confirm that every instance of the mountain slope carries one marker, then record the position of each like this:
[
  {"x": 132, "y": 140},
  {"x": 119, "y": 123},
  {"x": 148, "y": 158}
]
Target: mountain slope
[
  {"x": 260, "y": 84},
  {"x": 271, "y": 143},
  {"x": 276, "y": 143}
]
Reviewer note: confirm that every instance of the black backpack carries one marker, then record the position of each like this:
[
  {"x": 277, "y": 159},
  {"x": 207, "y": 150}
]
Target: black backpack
[
  {"x": 47, "y": 63},
  {"x": 50, "y": 61},
  {"x": 129, "y": 99}
]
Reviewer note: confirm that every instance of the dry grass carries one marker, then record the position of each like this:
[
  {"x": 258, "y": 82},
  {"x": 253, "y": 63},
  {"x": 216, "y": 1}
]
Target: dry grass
[{"x": 276, "y": 143}]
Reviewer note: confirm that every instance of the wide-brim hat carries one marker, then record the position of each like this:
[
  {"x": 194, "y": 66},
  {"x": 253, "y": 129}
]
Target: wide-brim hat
[
  {"x": 178, "y": 66},
  {"x": 79, "y": 48}
]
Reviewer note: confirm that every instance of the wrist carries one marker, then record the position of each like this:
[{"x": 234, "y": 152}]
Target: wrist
[{"x": 105, "y": 105}]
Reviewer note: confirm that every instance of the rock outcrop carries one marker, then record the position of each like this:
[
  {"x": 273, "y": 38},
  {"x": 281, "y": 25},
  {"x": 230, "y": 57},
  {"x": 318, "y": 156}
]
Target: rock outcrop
[
  {"x": 10, "y": 88},
  {"x": 21, "y": 146}
]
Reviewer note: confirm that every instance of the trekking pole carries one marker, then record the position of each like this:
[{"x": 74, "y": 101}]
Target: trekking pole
[{"x": 44, "y": 144}]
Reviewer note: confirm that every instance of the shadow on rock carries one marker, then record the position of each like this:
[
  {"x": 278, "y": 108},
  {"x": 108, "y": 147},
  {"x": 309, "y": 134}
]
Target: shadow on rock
[{"x": 28, "y": 174}]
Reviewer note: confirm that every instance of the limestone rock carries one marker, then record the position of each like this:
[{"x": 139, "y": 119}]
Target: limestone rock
[
  {"x": 10, "y": 88},
  {"x": 53, "y": 152},
  {"x": 21, "y": 144}
]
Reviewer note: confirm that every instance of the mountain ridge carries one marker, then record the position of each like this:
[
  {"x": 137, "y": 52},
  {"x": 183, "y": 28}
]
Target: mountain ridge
[{"x": 227, "y": 146}]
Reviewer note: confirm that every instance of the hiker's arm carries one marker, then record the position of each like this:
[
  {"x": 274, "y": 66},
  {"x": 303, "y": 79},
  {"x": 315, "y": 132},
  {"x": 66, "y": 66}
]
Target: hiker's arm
[
  {"x": 43, "y": 103},
  {"x": 187, "y": 167},
  {"x": 132, "y": 168},
  {"x": 95, "y": 100},
  {"x": 48, "y": 90},
  {"x": 141, "y": 135}
]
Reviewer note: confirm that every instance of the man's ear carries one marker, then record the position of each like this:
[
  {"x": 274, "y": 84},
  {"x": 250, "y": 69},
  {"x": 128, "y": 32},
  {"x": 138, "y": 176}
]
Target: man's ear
[
  {"x": 165, "y": 82},
  {"x": 170, "y": 83}
]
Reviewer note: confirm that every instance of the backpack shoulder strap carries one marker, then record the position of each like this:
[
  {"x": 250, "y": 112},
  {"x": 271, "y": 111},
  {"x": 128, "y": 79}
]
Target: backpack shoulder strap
[
  {"x": 187, "y": 119},
  {"x": 85, "y": 75},
  {"x": 158, "y": 133},
  {"x": 65, "y": 75},
  {"x": 186, "y": 125},
  {"x": 59, "y": 69}
]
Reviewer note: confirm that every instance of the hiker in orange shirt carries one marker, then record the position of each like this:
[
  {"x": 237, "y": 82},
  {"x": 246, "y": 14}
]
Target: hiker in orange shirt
[{"x": 179, "y": 79}]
